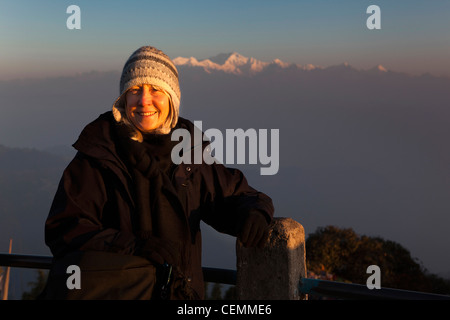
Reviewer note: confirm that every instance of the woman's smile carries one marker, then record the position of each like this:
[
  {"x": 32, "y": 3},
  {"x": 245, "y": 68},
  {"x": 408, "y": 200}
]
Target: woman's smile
[{"x": 147, "y": 114}]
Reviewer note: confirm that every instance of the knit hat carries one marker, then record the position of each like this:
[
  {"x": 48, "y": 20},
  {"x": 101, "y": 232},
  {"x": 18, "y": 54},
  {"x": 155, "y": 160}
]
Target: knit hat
[{"x": 148, "y": 65}]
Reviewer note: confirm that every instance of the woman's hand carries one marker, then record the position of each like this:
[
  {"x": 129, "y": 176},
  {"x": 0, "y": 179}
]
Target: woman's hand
[{"x": 255, "y": 230}]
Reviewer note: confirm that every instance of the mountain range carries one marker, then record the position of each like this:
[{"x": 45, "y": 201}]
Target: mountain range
[{"x": 236, "y": 63}]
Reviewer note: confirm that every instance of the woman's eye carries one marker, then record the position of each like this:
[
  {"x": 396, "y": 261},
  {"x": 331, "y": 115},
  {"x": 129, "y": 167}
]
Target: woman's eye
[{"x": 157, "y": 91}]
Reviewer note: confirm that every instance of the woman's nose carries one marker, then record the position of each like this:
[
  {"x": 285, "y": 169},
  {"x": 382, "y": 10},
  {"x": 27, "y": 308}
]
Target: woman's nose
[{"x": 146, "y": 97}]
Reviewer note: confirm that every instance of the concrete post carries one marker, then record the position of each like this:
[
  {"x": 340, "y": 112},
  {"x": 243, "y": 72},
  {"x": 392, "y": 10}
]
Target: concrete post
[{"x": 274, "y": 272}]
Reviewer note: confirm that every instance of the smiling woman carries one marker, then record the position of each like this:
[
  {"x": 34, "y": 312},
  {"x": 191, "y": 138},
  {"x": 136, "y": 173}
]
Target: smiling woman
[{"x": 127, "y": 215}]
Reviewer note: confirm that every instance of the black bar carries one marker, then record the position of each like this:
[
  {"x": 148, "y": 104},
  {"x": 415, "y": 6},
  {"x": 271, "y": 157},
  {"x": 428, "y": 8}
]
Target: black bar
[
  {"x": 44, "y": 262},
  {"x": 25, "y": 261},
  {"x": 219, "y": 275},
  {"x": 353, "y": 291}
]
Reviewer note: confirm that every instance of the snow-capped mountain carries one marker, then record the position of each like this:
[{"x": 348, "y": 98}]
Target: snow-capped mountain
[{"x": 238, "y": 64}]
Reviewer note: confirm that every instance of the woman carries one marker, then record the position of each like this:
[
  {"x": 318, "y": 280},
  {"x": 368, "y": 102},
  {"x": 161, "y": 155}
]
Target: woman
[{"x": 126, "y": 215}]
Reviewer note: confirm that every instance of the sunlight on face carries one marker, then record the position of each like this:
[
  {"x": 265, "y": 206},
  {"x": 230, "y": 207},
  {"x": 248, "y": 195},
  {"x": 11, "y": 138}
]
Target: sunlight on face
[{"x": 147, "y": 107}]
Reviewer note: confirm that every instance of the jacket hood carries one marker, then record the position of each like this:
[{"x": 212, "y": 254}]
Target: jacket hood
[{"x": 96, "y": 140}]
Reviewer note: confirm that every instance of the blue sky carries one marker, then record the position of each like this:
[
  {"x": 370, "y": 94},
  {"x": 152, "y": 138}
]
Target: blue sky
[{"x": 34, "y": 40}]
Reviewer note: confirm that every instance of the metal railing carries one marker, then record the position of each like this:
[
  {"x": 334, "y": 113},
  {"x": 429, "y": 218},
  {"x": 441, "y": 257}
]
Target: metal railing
[
  {"x": 333, "y": 289},
  {"x": 351, "y": 291},
  {"x": 44, "y": 262}
]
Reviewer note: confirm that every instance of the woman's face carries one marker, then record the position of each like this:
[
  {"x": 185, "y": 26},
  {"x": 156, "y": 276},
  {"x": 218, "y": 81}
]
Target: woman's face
[{"x": 147, "y": 107}]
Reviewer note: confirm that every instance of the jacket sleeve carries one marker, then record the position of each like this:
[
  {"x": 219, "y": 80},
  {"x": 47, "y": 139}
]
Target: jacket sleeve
[
  {"x": 78, "y": 218},
  {"x": 232, "y": 198}
]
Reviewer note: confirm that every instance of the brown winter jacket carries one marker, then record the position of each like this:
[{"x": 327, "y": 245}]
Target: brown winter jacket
[{"x": 94, "y": 207}]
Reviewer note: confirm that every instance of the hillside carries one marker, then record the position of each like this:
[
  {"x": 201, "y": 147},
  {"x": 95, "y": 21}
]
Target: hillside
[{"x": 28, "y": 181}]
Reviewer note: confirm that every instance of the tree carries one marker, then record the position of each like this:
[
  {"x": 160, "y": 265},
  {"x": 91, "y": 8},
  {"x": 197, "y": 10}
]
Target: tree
[
  {"x": 231, "y": 293},
  {"x": 216, "y": 292},
  {"x": 347, "y": 255}
]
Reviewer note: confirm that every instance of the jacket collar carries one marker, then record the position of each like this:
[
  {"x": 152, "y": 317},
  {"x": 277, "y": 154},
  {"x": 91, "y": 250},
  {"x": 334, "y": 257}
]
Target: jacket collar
[{"x": 97, "y": 140}]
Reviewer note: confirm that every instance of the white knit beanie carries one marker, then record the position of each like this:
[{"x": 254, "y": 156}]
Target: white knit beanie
[{"x": 148, "y": 65}]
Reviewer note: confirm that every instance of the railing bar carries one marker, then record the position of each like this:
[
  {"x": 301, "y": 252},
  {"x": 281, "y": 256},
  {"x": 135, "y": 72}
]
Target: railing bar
[
  {"x": 25, "y": 261},
  {"x": 217, "y": 275},
  {"x": 357, "y": 291}
]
